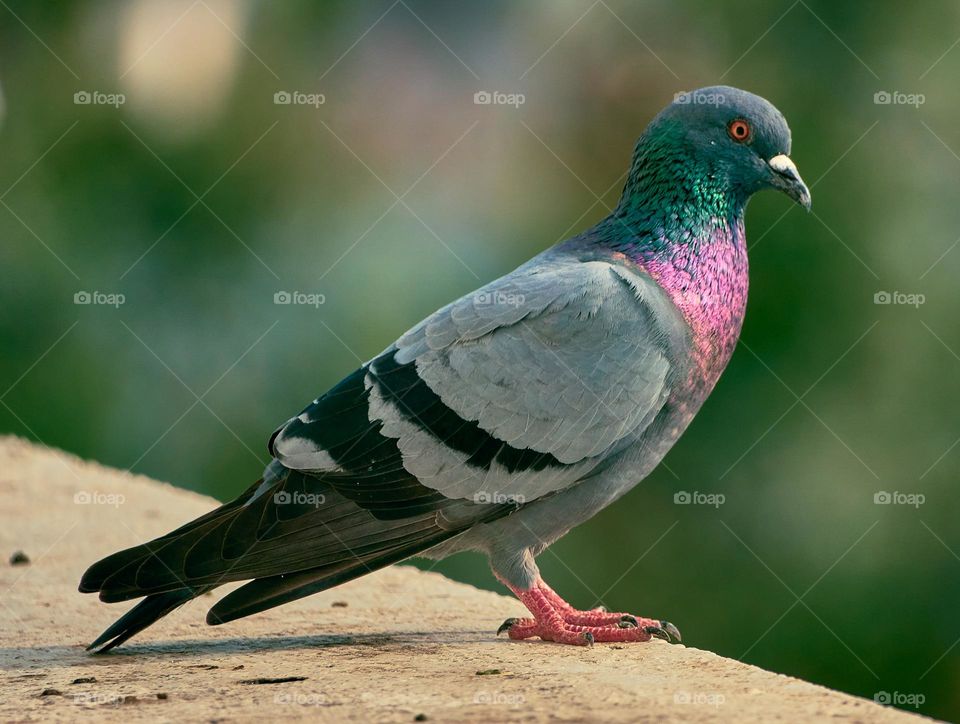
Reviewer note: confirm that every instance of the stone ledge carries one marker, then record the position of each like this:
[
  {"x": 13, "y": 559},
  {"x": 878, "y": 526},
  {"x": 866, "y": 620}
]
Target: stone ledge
[{"x": 392, "y": 646}]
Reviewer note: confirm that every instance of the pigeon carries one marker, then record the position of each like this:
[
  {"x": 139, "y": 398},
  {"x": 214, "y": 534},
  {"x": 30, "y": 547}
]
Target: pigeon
[{"x": 509, "y": 416}]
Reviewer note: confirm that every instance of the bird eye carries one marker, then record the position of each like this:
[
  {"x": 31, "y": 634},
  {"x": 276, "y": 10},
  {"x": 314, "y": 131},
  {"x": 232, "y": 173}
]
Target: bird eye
[{"x": 739, "y": 130}]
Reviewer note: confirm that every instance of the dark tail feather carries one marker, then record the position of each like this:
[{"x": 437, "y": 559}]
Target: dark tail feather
[
  {"x": 145, "y": 613},
  {"x": 265, "y": 593},
  {"x": 290, "y": 551},
  {"x": 115, "y": 577}
]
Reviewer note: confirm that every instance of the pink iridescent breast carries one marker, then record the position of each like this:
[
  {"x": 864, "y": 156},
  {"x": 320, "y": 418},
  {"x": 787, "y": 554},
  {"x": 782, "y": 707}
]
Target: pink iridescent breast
[{"x": 708, "y": 283}]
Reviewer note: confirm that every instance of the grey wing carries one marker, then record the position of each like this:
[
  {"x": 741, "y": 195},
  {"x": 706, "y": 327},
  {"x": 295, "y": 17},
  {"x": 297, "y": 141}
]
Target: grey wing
[{"x": 508, "y": 394}]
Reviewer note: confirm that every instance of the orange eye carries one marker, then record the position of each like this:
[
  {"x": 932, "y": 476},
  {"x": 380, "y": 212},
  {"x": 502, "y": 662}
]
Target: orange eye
[{"x": 739, "y": 130}]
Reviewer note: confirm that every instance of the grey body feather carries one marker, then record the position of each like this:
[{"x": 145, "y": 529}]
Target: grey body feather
[{"x": 565, "y": 357}]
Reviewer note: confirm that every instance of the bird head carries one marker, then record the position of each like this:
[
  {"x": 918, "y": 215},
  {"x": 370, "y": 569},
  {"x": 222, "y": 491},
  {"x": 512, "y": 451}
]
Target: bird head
[{"x": 736, "y": 136}]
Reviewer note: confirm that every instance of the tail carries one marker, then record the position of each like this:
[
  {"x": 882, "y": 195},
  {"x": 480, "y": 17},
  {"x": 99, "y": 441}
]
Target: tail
[
  {"x": 266, "y": 593},
  {"x": 276, "y": 536},
  {"x": 144, "y": 614},
  {"x": 258, "y": 595}
]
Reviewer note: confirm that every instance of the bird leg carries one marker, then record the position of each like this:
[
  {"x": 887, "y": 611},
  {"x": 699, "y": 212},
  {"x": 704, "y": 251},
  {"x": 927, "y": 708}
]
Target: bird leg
[{"x": 556, "y": 620}]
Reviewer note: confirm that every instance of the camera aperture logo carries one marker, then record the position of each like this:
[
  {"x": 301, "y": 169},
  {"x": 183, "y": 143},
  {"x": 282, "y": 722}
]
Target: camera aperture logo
[
  {"x": 898, "y": 98},
  {"x": 682, "y": 497},
  {"x": 498, "y": 98},
  {"x": 882, "y": 497},
  {"x": 300, "y": 299},
  {"x": 102, "y": 299},
  {"x": 900, "y": 299},
  {"x": 299, "y": 497},
  {"x": 298, "y": 98},
  {"x": 98, "y": 98}
]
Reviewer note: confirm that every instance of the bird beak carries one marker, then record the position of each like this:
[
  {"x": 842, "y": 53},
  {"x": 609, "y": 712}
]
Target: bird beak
[{"x": 786, "y": 178}]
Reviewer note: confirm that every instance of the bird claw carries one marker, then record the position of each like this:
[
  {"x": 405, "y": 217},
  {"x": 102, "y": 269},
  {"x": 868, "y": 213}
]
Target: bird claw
[
  {"x": 657, "y": 632},
  {"x": 507, "y": 625},
  {"x": 559, "y": 622},
  {"x": 666, "y": 631},
  {"x": 672, "y": 630}
]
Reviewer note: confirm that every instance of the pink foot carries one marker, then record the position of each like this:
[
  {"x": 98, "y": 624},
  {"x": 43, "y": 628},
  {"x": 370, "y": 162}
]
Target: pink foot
[
  {"x": 593, "y": 617},
  {"x": 556, "y": 620}
]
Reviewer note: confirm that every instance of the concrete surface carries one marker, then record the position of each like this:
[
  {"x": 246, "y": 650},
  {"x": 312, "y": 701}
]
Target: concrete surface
[{"x": 399, "y": 645}]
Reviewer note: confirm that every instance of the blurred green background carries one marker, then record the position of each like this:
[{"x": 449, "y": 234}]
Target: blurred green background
[{"x": 198, "y": 198}]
